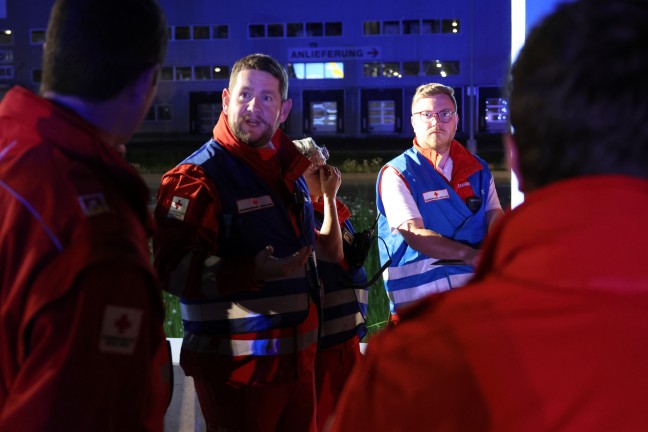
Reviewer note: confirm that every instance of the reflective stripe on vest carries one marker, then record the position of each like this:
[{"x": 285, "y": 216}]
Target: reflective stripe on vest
[
  {"x": 400, "y": 297},
  {"x": 258, "y": 347},
  {"x": 251, "y": 308},
  {"x": 342, "y": 324}
]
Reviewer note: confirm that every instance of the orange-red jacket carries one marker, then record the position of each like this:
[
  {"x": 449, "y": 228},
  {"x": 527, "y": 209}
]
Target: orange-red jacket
[
  {"x": 81, "y": 340},
  {"x": 550, "y": 336}
]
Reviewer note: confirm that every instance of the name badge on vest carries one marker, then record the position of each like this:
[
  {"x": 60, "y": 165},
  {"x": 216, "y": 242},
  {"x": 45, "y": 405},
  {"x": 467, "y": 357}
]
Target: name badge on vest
[
  {"x": 252, "y": 204},
  {"x": 436, "y": 195}
]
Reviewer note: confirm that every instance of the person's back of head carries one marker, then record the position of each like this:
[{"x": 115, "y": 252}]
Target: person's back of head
[
  {"x": 263, "y": 63},
  {"x": 579, "y": 93},
  {"x": 95, "y": 48}
]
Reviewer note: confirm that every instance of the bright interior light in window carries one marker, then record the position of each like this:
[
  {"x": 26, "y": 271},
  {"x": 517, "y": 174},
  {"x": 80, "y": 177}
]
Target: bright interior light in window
[{"x": 8, "y": 32}]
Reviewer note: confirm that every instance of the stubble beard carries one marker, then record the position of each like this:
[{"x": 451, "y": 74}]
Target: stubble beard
[{"x": 246, "y": 138}]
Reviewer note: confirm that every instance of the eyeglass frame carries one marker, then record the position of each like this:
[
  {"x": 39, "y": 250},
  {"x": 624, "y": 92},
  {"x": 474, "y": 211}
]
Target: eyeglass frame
[{"x": 435, "y": 114}]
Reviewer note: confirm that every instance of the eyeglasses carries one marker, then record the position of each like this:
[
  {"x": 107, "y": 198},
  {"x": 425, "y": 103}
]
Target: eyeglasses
[{"x": 442, "y": 116}]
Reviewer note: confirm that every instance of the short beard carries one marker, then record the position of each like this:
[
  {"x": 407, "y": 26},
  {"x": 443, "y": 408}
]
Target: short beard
[{"x": 244, "y": 137}]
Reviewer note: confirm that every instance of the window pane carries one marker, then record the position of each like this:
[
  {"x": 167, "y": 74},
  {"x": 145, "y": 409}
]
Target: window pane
[
  {"x": 334, "y": 70},
  {"x": 182, "y": 33},
  {"x": 371, "y": 28},
  {"x": 323, "y": 116},
  {"x": 275, "y": 30},
  {"x": 297, "y": 70},
  {"x": 391, "y": 27},
  {"x": 314, "y": 70},
  {"x": 163, "y": 112},
  {"x": 382, "y": 116},
  {"x": 6, "y": 56},
  {"x": 411, "y": 68},
  {"x": 391, "y": 70},
  {"x": 221, "y": 72},
  {"x": 220, "y": 32},
  {"x": 371, "y": 69},
  {"x": 430, "y": 26},
  {"x": 183, "y": 73},
  {"x": 314, "y": 29},
  {"x": 6, "y": 72},
  {"x": 441, "y": 68},
  {"x": 333, "y": 29},
  {"x": 256, "y": 30},
  {"x": 450, "y": 26},
  {"x": 295, "y": 29},
  {"x": 37, "y": 37},
  {"x": 411, "y": 27},
  {"x": 202, "y": 72},
  {"x": 6, "y": 37},
  {"x": 166, "y": 73},
  {"x": 201, "y": 32},
  {"x": 496, "y": 115}
]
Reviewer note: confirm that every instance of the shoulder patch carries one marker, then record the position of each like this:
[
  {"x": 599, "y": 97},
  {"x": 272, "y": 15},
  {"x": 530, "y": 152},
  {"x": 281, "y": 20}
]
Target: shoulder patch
[
  {"x": 93, "y": 204},
  {"x": 120, "y": 329},
  {"x": 178, "y": 208}
]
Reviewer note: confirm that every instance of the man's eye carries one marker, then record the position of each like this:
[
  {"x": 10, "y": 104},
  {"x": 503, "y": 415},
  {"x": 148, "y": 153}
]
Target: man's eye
[{"x": 428, "y": 114}]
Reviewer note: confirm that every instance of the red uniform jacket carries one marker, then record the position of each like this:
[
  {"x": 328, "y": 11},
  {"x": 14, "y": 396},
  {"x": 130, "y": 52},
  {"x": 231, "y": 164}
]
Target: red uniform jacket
[
  {"x": 81, "y": 340},
  {"x": 550, "y": 336}
]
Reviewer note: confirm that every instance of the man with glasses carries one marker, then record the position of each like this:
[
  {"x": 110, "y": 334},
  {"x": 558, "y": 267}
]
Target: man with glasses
[{"x": 436, "y": 202}]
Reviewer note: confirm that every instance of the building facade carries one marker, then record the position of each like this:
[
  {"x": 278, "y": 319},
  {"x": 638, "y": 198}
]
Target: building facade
[{"x": 353, "y": 65}]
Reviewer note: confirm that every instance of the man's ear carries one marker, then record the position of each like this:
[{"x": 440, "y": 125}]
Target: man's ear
[
  {"x": 226, "y": 99},
  {"x": 513, "y": 157},
  {"x": 285, "y": 110}
]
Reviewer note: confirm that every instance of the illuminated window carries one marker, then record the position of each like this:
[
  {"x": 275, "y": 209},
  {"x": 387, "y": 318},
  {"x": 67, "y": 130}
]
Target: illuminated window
[
  {"x": 391, "y": 70},
  {"x": 37, "y": 37},
  {"x": 441, "y": 68},
  {"x": 6, "y": 37},
  {"x": 6, "y": 56},
  {"x": 324, "y": 116},
  {"x": 382, "y": 115},
  {"x": 450, "y": 26},
  {"x": 221, "y": 72},
  {"x": 330, "y": 70}
]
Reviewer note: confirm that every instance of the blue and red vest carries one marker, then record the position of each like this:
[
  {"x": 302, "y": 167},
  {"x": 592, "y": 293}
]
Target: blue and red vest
[
  {"x": 344, "y": 305},
  {"x": 411, "y": 274},
  {"x": 252, "y": 216}
]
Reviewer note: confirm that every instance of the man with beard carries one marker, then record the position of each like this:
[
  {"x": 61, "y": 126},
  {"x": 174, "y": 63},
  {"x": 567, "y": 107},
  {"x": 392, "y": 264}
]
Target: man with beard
[
  {"x": 435, "y": 201},
  {"x": 235, "y": 243}
]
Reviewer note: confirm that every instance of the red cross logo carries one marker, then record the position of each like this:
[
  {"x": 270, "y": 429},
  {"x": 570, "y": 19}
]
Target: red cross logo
[
  {"x": 436, "y": 194},
  {"x": 177, "y": 204},
  {"x": 255, "y": 201},
  {"x": 123, "y": 323}
]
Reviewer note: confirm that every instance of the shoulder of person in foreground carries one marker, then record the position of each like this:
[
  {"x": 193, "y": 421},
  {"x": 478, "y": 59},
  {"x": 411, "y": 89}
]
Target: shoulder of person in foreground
[{"x": 409, "y": 378}]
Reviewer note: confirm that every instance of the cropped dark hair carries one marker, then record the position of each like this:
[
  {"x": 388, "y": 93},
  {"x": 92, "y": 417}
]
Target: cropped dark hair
[
  {"x": 264, "y": 63},
  {"x": 95, "y": 48},
  {"x": 579, "y": 93}
]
